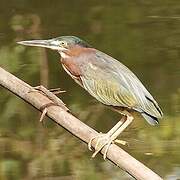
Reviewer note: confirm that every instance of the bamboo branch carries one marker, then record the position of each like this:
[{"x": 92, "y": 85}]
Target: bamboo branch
[{"x": 115, "y": 154}]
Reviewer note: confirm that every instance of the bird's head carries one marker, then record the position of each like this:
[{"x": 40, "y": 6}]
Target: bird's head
[{"x": 60, "y": 44}]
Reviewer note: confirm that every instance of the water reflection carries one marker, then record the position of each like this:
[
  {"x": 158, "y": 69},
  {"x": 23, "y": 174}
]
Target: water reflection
[{"x": 143, "y": 35}]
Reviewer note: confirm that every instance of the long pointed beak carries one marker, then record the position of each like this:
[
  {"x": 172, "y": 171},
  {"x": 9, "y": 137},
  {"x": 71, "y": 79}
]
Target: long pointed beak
[
  {"x": 51, "y": 44},
  {"x": 38, "y": 43}
]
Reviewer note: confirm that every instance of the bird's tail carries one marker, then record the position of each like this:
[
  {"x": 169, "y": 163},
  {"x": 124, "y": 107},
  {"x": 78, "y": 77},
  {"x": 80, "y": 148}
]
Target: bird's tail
[{"x": 150, "y": 119}]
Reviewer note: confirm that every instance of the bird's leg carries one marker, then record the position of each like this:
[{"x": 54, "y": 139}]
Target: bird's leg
[
  {"x": 122, "y": 128},
  {"x": 56, "y": 91},
  {"x": 108, "y": 134},
  {"x": 51, "y": 95},
  {"x": 117, "y": 126},
  {"x": 109, "y": 138},
  {"x": 46, "y": 91}
]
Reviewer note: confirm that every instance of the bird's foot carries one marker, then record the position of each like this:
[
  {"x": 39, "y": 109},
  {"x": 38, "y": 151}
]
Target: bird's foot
[
  {"x": 122, "y": 142},
  {"x": 103, "y": 140},
  {"x": 57, "y": 91},
  {"x": 44, "y": 110},
  {"x": 44, "y": 91},
  {"x": 51, "y": 95}
]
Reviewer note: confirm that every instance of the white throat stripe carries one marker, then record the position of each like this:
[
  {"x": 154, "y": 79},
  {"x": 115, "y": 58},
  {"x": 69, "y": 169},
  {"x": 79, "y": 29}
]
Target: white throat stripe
[{"x": 64, "y": 55}]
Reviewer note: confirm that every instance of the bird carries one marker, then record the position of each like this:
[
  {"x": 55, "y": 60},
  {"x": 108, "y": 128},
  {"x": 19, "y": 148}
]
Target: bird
[{"x": 106, "y": 79}]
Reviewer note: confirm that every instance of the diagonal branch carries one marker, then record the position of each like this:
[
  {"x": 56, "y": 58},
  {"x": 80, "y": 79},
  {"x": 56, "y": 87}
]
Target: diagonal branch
[{"x": 77, "y": 128}]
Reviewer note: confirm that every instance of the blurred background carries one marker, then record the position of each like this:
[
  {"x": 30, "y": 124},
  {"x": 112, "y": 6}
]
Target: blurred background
[{"x": 144, "y": 35}]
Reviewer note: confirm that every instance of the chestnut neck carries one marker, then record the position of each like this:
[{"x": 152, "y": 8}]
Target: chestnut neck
[{"x": 75, "y": 51}]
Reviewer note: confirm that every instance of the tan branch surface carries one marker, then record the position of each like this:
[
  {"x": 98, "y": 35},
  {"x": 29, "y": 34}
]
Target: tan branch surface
[{"x": 115, "y": 154}]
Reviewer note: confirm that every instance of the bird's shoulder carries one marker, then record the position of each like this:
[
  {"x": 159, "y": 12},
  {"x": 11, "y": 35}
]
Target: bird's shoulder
[{"x": 99, "y": 65}]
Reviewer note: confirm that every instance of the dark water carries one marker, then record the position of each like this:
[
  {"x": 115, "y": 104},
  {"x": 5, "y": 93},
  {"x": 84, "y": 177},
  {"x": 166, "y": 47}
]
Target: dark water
[{"x": 144, "y": 35}]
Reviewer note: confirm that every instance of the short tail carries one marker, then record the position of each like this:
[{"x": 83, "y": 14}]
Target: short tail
[{"x": 150, "y": 119}]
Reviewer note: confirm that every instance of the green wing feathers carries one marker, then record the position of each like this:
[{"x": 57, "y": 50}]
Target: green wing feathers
[
  {"x": 108, "y": 92},
  {"x": 112, "y": 83}
]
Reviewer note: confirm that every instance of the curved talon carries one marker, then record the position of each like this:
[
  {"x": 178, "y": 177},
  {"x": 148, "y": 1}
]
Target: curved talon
[
  {"x": 95, "y": 153},
  {"x": 90, "y": 143},
  {"x": 112, "y": 142},
  {"x": 44, "y": 109},
  {"x": 106, "y": 150},
  {"x": 103, "y": 140},
  {"x": 108, "y": 143},
  {"x": 43, "y": 114},
  {"x": 91, "y": 140}
]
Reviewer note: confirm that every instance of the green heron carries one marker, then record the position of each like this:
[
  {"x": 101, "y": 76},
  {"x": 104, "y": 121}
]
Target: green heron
[{"x": 106, "y": 79}]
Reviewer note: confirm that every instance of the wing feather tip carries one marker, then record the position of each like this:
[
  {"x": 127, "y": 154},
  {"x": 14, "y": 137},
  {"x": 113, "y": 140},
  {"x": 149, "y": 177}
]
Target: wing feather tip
[{"x": 150, "y": 119}]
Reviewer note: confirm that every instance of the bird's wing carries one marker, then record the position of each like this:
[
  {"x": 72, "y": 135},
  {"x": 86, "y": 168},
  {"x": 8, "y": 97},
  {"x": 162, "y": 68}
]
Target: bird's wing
[
  {"x": 112, "y": 83},
  {"x": 104, "y": 87}
]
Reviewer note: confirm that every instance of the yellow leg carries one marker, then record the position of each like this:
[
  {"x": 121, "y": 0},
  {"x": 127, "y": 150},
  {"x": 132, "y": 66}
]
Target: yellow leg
[
  {"x": 108, "y": 134},
  {"x": 108, "y": 138},
  {"x": 51, "y": 95}
]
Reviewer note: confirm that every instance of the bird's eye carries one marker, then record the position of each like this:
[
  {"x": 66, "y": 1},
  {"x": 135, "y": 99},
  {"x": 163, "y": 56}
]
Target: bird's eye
[{"x": 62, "y": 43}]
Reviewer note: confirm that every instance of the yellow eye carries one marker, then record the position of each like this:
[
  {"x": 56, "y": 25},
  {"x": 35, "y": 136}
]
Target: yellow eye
[{"x": 63, "y": 43}]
